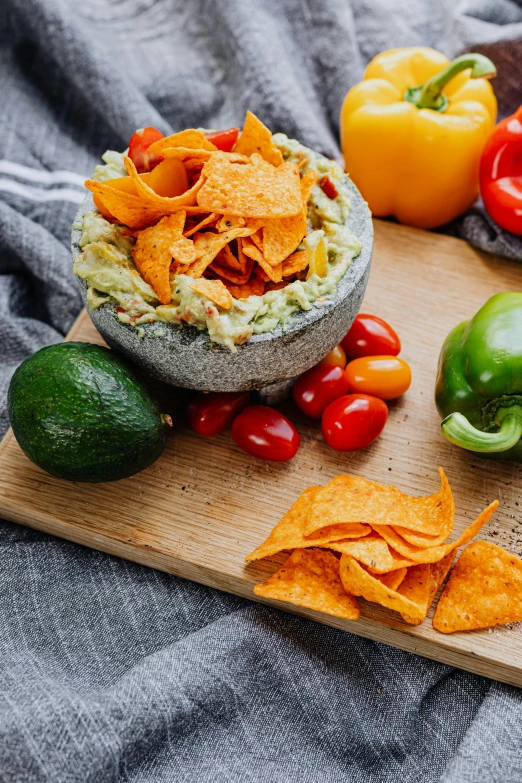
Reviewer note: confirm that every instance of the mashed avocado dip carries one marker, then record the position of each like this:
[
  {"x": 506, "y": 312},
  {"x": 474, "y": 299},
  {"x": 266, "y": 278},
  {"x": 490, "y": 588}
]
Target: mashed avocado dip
[{"x": 106, "y": 264}]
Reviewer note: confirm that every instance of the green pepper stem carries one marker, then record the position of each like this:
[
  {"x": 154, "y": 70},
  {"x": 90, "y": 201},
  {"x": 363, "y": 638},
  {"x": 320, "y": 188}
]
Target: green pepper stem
[
  {"x": 457, "y": 429},
  {"x": 430, "y": 96}
]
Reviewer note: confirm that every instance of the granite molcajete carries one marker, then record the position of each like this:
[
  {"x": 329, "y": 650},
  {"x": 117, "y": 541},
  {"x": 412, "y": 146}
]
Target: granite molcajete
[{"x": 185, "y": 356}]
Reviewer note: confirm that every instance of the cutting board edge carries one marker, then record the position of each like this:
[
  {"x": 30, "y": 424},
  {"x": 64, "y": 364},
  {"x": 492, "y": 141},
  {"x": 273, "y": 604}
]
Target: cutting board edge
[{"x": 441, "y": 651}]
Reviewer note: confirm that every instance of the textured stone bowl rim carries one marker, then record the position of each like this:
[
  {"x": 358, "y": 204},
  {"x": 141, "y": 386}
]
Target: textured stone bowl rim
[{"x": 359, "y": 222}]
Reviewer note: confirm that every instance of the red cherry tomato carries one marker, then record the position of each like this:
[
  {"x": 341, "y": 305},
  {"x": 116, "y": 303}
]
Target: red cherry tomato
[
  {"x": 138, "y": 149},
  {"x": 224, "y": 140},
  {"x": 386, "y": 377},
  {"x": 370, "y": 336},
  {"x": 213, "y": 413},
  {"x": 353, "y": 422},
  {"x": 265, "y": 433},
  {"x": 336, "y": 356},
  {"x": 318, "y": 387}
]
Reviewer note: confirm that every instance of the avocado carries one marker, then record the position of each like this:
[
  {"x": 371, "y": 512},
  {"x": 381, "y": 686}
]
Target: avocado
[{"x": 81, "y": 413}]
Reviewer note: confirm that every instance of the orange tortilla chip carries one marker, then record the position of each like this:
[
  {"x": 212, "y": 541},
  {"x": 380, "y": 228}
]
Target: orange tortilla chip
[
  {"x": 295, "y": 263},
  {"x": 371, "y": 550},
  {"x": 126, "y": 208},
  {"x": 274, "y": 273},
  {"x": 255, "y": 189},
  {"x": 438, "y": 572},
  {"x": 256, "y": 137},
  {"x": 392, "y": 579},
  {"x": 215, "y": 291},
  {"x": 151, "y": 199},
  {"x": 227, "y": 222},
  {"x": 207, "y": 221},
  {"x": 416, "y": 587},
  {"x": 436, "y": 553},
  {"x": 183, "y": 250},
  {"x": 398, "y": 561},
  {"x": 252, "y": 288},
  {"x": 311, "y": 578},
  {"x": 232, "y": 275},
  {"x": 189, "y": 138},
  {"x": 354, "y": 499},
  {"x": 358, "y": 581},
  {"x": 208, "y": 246},
  {"x": 153, "y": 253},
  {"x": 484, "y": 589},
  {"x": 289, "y": 532},
  {"x": 282, "y": 236}
]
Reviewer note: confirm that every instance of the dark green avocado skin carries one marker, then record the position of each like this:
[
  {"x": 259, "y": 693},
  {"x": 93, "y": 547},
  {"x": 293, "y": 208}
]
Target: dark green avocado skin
[{"x": 81, "y": 413}]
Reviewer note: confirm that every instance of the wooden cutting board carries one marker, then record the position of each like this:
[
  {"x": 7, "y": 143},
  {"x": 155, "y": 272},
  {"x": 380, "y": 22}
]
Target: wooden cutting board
[{"x": 204, "y": 505}]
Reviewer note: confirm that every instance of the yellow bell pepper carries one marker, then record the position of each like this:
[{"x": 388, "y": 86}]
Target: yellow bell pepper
[{"x": 412, "y": 133}]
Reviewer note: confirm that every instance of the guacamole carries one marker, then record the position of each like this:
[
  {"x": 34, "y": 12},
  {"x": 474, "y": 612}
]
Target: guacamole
[{"x": 106, "y": 264}]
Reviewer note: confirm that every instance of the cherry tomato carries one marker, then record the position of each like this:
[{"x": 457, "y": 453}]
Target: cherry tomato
[
  {"x": 318, "y": 387},
  {"x": 353, "y": 421},
  {"x": 336, "y": 356},
  {"x": 386, "y": 377},
  {"x": 370, "y": 336},
  {"x": 224, "y": 140},
  {"x": 265, "y": 433},
  {"x": 213, "y": 413},
  {"x": 138, "y": 146}
]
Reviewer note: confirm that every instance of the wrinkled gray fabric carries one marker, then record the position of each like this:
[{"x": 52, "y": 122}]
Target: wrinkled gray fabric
[{"x": 113, "y": 672}]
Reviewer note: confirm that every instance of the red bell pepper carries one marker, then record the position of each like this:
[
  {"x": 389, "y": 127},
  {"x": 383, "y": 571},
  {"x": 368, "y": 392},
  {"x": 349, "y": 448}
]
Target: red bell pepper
[{"x": 501, "y": 173}]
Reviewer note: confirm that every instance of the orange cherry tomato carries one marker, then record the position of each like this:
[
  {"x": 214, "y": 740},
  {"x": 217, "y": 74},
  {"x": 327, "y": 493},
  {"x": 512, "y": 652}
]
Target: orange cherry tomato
[
  {"x": 336, "y": 356},
  {"x": 386, "y": 377}
]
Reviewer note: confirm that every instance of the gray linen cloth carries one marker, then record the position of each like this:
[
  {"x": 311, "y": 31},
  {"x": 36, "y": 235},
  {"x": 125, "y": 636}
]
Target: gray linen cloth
[{"x": 113, "y": 672}]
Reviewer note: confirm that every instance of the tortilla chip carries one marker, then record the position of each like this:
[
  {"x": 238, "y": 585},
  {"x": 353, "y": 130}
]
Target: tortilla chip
[
  {"x": 392, "y": 579},
  {"x": 233, "y": 276},
  {"x": 295, "y": 263},
  {"x": 256, "y": 137},
  {"x": 226, "y": 258},
  {"x": 358, "y": 581},
  {"x": 289, "y": 532},
  {"x": 311, "y": 578},
  {"x": 274, "y": 273},
  {"x": 354, "y": 499},
  {"x": 438, "y": 572},
  {"x": 207, "y": 221},
  {"x": 252, "y": 288},
  {"x": 215, "y": 291},
  {"x": 484, "y": 589},
  {"x": 282, "y": 236},
  {"x": 227, "y": 222},
  {"x": 421, "y": 540},
  {"x": 166, "y": 203},
  {"x": 183, "y": 250},
  {"x": 398, "y": 561},
  {"x": 125, "y": 208},
  {"x": 255, "y": 189},
  {"x": 208, "y": 246},
  {"x": 416, "y": 587},
  {"x": 257, "y": 239},
  {"x": 189, "y": 138},
  {"x": 153, "y": 253},
  {"x": 371, "y": 550},
  {"x": 436, "y": 553}
]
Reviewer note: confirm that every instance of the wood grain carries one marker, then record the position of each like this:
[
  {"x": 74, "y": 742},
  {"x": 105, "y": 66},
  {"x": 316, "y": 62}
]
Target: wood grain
[{"x": 204, "y": 505}]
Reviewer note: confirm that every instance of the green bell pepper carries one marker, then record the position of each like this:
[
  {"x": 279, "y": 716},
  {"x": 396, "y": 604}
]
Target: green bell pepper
[{"x": 479, "y": 381}]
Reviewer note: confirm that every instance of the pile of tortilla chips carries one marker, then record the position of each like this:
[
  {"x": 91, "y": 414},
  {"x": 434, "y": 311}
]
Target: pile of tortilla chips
[
  {"x": 393, "y": 549},
  {"x": 239, "y": 223}
]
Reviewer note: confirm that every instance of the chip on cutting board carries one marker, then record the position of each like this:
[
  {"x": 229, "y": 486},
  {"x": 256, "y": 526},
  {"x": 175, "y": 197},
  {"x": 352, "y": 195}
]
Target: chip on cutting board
[
  {"x": 484, "y": 589},
  {"x": 310, "y": 577}
]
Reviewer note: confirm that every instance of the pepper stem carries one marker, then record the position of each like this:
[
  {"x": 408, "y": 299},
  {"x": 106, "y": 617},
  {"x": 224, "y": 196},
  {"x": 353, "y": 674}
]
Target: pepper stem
[
  {"x": 457, "y": 429},
  {"x": 430, "y": 96}
]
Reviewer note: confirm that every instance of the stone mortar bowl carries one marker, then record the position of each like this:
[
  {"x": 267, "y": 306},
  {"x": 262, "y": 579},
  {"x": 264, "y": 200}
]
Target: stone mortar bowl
[{"x": 186, "y": 357}]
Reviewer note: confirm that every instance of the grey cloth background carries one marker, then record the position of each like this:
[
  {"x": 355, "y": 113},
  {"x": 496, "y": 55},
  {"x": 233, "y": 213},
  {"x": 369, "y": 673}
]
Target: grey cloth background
[{"x": 113, "y": 672}]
